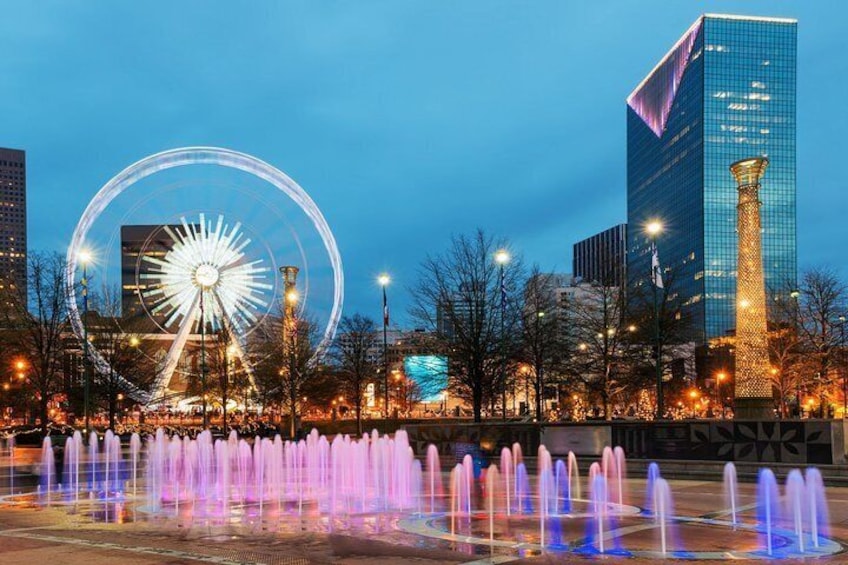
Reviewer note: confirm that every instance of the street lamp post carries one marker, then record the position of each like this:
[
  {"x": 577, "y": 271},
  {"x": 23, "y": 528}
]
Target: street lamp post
[
  {"x": 653, "y": 229},
  {"x": 842, "y": 366},
  {"x": 502, "y": 258},
  {"x": 84, "y": 258},
  {"x": 203, "y": 359},
  {"x": 384, "y": 281},
  {"x": 795, "y": 295},
  {"x": 693, "y": 394},
  {"x": 719, "y": 399}
]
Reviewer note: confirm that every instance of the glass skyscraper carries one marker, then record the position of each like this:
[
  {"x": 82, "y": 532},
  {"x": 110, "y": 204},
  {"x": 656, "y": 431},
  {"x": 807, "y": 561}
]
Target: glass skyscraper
[{"x": 725, "y": 91}]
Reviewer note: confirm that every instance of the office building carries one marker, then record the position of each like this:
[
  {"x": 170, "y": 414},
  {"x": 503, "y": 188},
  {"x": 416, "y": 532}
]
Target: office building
[
  {"x": 602, "y": 258},
  {"x": 138, "y": 242},
  {"x": 13, "y": 220},
  {"x": 724, "y": 92}
]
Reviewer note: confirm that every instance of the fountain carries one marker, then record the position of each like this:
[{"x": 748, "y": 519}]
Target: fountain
[
  {"x": 663, "y": 510},
  {"x": 768, "y": 507},
  {"x": 573, "y": 477},
  {"x": 48, "y": 468},
  {"x": 600, "y": 503},
  {"x": 508, "y": 472},
  {"x": 796, "y": 492},
  {"x": 653, "y": 475},
  {"x": 731, "y": 490},
  {"x": 492, "y": 482},
  {"x": 818, "y": 514},
  {"x": 434, "y": 476},
  {"x": 372, "y": 481}
]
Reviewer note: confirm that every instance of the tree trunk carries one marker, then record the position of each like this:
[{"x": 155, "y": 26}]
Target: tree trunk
[
  {"x": 477, "y": 399},
  {"x": 359, "y": 418},
  {"x": 224, "y": 409},
  {"x": 43, "y": 411},
  {"x": 111, "y": 410},
  {"x": 540, "y": 379},
  {"x": 537, "y": 388},
  {"x": 293, "y": 418}
]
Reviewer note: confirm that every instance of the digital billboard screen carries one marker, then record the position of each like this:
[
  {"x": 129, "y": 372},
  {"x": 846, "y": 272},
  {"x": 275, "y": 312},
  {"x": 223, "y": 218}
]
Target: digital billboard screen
[{"x": 430, "y": 372}]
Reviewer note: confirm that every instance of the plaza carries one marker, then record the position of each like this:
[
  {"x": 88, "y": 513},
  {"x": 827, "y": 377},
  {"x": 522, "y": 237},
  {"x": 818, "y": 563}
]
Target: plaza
[{"x": 294, "y": 296}]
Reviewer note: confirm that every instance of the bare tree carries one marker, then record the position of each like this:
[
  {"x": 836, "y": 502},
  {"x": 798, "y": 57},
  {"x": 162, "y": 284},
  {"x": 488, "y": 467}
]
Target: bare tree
[
  {"x": 661, "y": 334},
  {"x": 602, "y": 357},
  {"x": 459, "y": 294},
  {"x": 38, "y": 325},
  {"x": 120, "y": 344},
  {"x": 542, "y": 342},
  {"x": 821, "y": 300},
  {"x": 786, "y": 348},
  {"x": 285, "y": 362},
  {"x": 226, "y": 376},
  {"x": 353, "y": 352}
]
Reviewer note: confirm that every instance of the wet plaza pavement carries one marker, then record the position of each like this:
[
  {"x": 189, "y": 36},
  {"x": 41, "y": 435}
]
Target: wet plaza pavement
[{"x": 96, "y": 532}]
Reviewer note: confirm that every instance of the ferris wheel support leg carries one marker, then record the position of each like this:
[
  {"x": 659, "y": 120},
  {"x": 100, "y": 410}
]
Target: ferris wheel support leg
[{"x": 175, "y": 352}]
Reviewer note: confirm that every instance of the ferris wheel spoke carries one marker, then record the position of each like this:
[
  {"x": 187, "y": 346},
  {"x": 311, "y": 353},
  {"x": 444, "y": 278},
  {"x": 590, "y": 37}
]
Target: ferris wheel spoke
[{"x": 163, "y": 380}]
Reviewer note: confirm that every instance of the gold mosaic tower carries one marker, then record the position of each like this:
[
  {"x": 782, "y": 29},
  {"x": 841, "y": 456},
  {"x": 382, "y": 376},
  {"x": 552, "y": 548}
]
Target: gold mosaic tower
[
  {"x": 290, "y": 298},
  {"x": 753, "y": 386}
]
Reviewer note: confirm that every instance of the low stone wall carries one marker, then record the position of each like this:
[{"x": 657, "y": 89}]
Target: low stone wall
[{"x": 814, "y": 442}]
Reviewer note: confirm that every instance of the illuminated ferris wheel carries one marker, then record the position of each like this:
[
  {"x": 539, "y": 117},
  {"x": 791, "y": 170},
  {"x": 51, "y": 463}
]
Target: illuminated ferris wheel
[
  {"x": 205, "y": 280},
  {"x": 212, "y": 276}
]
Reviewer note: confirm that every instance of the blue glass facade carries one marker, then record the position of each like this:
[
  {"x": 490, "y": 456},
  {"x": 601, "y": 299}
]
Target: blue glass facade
[{"x": 726, "y": 91}]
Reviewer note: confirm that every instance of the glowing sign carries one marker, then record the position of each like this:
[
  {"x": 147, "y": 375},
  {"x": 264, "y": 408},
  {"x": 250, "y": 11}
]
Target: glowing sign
[{"x": 430, "y": 372}]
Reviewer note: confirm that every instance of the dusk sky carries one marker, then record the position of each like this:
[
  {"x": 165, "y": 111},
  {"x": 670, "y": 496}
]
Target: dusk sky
[{"x": 405, "y": 121}]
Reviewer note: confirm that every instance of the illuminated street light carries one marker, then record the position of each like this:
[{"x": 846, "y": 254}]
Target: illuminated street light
[
  {"x": 384, "y": 281},
  {"x": 84, "y": 257},
  {"x": 693, "y": 394},
  {"x": 502, "y": 258},
  {"x": 654, "y": 227}
]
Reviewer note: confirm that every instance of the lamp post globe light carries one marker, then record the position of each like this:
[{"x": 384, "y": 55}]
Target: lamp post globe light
[
  {"x": 502, "y": 258},
  {"x": 384, "y": 280},
  {"x": 653, "y": 229}
]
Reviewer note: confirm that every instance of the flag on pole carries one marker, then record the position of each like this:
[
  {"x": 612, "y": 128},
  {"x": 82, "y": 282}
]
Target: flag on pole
[
  {"x": 385, "y": 309},
  {"x": 503, "y": 287},
  {"x": 656, "y": 273}
]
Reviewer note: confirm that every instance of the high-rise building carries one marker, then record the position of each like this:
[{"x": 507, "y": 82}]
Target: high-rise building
[
  {"x": 602, "y": 258},
  {"x": 13, "y": 220},
  {"x": 724, "y": 92},
  {"x": 136, "y": 243}
]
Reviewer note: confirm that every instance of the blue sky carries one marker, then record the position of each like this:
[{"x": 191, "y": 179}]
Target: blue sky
[{"x": 406, "y": 121}]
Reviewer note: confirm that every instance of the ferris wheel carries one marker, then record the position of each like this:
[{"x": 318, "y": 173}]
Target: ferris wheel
[{"x": 211, "y": 275}]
